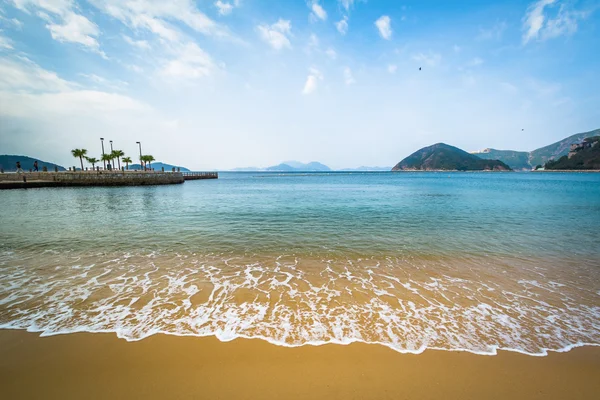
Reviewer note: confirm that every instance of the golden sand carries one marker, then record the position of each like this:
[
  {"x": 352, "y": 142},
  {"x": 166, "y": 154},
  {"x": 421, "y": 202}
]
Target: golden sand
[{"x": 101, "y": 366}]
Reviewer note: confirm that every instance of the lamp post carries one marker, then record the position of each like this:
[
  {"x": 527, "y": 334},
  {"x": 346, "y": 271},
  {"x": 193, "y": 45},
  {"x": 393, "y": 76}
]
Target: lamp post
[
  {"x": 140, "y": 144},
  {"x": 112, "y": 160},
  {"x": 102, "y": 141}
]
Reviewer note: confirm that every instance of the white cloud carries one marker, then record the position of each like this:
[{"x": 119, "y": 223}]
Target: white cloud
[
  {"x": 314, "y": 76},
  {"x": 475, "y": 62},
  {"x": 392, "y": 68},
  {"x": 348, "y": 78},
  {"x": 331, "y": 53},
  {"x": 142, "y": 44},
  {"x": 11, "y": 21},
  {"x": 26, "y": 89},
  {"x": 317, "y": 11},
  {"x": 153, "y": 14},
  {"x": 134, "y": 68},
  {"x": 191, "y": 62},
  {"x": 18, "y": 24},
  {"x": 101, "y": 81},
  {"x": 493, "y": 33},
  {"x": 430, "y": 59},
  {"x": 276, "y": 35},
  {"x": 75, "y": 28},
  {"x": 156, "y": 26},
  {"x": 21, "y": 74},
  {"x": 347, "y": 4},
  {"x": 65, "y": 24},
  {"x": 224, "y": 8},
  {"x": 5, "y": 43},
  {"x": 313, "y": 40},
  {"x": 342, "y": 26},
  {"x": 538, "y": 25},
  {"x": 384, "y": 25}
]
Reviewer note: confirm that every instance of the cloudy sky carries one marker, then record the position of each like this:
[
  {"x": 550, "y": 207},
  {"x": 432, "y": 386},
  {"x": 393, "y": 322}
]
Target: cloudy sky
[{"x": 230, "y": 83}]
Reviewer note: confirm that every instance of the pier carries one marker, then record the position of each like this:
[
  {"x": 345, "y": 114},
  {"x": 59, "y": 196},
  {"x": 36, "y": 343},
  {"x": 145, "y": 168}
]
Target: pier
[
  {"x": 192, "y": 176},
  {"x": 98, "y": 178}
]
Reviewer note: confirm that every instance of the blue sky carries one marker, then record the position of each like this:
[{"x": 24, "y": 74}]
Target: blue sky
[{"x": 226, "y": 83}]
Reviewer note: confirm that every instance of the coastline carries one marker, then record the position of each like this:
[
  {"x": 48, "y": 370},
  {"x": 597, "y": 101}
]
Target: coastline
[{"x": 102, "y": 366}]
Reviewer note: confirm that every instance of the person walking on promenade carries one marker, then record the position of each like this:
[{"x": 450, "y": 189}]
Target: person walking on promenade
[
  {"x": 35, "y": 166},
  {"x": 19, "y": 169}
]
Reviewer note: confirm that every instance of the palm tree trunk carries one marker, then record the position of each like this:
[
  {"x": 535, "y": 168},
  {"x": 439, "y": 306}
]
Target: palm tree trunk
[
  {"x": 119, "y": 161},
  {"x": 81, "y": 160}
]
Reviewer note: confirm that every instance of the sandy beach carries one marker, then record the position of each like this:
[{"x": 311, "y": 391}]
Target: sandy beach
[{"x": 100, "y": 366}]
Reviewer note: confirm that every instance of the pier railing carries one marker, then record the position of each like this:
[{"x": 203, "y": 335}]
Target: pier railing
[{"x": 190, "y": 176}]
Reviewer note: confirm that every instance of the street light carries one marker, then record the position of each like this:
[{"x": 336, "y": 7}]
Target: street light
[
  {"x": 140, "y": 143},
  {"x": 102, "y": 141},
  {"x": 112, "y": 160}
]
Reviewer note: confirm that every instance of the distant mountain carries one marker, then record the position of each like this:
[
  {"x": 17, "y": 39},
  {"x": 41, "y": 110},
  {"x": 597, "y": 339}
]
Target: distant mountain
[
  {"x": 247, "y": 169},
  {"x": 522, "y": 160},
  {"x": 8, "y": 163},
  {"x": 558, "y": 149},
  {"x": 296, "y": 166},
  {"x": 156, "y": 166},
  {"x": 443, "y": 157},
  {"x": 281, "y": 168},
  {"x": 366, "y": 169},
  {"x": 288, "y": 166},
  {"x": 517, "y": 160},
  {"x": 583, "y": 156}
]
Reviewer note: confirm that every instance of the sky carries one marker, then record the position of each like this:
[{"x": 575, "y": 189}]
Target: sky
[{"x": 236, "y": 83}]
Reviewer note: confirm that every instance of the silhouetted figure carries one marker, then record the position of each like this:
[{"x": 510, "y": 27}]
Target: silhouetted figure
[
  {"x": 19, "y": 169},
  {"x": 108, "y": 167},
  {"x": 35, "y": 166},
  {"x": 419, "y": 68}
]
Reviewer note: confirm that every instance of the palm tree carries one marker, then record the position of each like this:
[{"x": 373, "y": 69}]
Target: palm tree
[
  {"x": 92, "y": 161},
  {"x": 79, "y": 153},
  {"x": 148, "y": 159},
  {"x": 107, "y": 157},
  {"x": 126, "y": 160},
  {"x": 118, "y": 154}
]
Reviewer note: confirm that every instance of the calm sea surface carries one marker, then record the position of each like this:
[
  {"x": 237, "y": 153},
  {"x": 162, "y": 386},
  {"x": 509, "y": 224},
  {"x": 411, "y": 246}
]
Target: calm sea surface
[{"x": 457, "y": 261}]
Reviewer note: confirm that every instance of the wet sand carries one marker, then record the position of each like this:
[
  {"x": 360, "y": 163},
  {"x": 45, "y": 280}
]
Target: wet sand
[{"x": 101, "y": 366}]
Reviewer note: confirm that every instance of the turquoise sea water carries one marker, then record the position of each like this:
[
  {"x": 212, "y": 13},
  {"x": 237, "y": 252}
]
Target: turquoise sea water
[{"x": 470, "y": 261}]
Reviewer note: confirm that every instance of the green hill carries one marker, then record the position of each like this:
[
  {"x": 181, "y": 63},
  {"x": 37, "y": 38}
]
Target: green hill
[
  {"x": 443, "y": 157},
  {"x": 522, "y": 160},
  {"x": 557, "y": 150},
  {"x": 517, "y": 160},
  {"x": 585, "y": 159},
  {"x": 8, "y": 163},
  {"x": 157, "y": 166}
]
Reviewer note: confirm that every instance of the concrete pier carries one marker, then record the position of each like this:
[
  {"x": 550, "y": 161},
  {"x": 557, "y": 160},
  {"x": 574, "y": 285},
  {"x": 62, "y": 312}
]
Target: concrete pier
[{"x": 88, "y": 178}]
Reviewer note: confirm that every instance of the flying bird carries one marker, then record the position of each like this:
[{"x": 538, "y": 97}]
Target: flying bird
[{"x": 419, "y": 68}]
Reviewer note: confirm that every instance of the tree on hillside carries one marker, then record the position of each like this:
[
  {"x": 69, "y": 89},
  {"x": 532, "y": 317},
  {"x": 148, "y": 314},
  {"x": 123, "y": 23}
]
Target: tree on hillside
[
  {"x": 92, "y": 161},
  {"x": 107, "y": 157},
  {"x": 79, "y": 153},
  {"x": 118, "y": 154},
  {"x": 126, "y": 160}
]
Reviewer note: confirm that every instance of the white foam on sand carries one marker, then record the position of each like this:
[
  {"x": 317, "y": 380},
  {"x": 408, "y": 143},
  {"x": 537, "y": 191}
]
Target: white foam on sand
[{"x": 288, "y": 304}]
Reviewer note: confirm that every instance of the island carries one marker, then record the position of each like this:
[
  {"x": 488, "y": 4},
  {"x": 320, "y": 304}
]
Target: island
[{"x": 443, "y": 157}]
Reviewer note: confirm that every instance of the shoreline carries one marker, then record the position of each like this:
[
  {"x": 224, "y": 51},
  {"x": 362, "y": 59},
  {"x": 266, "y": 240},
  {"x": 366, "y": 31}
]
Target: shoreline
[
  {"x": 494, "y": 350},
  {"x": 87, "y": 365}
]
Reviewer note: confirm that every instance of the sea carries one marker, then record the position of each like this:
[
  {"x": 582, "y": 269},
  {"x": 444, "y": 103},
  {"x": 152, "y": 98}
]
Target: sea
[{"x": 475, "y": 262}]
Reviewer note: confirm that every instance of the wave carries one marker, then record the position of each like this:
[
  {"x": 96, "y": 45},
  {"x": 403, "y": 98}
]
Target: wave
[{"x": 474, "y": 304}]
